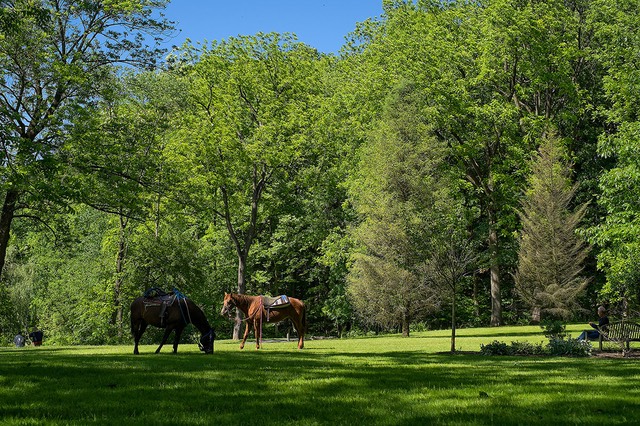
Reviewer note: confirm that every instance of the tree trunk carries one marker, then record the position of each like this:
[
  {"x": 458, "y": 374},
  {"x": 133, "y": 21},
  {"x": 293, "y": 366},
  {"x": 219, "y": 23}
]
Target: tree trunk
[
  {"x": 243, "y": 247},
  {"x": 496, "y": 301},
  {"x": 6, "y": 218},
  {"x": 242, "y": 289},
  {"x": 536, "y": 314},
  {"x": 453, "y": 322},
  {"x": 476, "y": 303},
  {"x": 117, "y": 290},
  {"x": 405, "y": 323}
]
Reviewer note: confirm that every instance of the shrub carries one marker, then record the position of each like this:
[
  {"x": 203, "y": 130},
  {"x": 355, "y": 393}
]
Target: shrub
[
  {"x": 569, "y": 347},
  {"x": 526, "y": 348},
  {"x": 496, "y": 348},
  {"x": 554, "y": 329},
  {"x": 516, "y": 348}
]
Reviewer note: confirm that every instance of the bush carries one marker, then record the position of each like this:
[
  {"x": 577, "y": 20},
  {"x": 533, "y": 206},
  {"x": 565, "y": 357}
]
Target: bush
[
  {"x": 569, "y": 347},
  {"x": 358, "y": 332},
  {"x": 556, "y": 347},
  {"x": 526, "y": 348},
  {"x": 496, "y": 348},
  {"x": 516, "y": 348},
  {"x": 418, "y": 327},
  {"x": 554, "y": 329}
]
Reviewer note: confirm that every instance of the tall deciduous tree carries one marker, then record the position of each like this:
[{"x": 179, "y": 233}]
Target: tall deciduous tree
[
  {"x": 529, "y": 59},
  {"x": 116, "y": 155},
  {"x": 551, "y": 256},
  {"x": 616, "y": 25},
  {"x": 252, "y": 101},
  {"x": 51, "y": 64}
]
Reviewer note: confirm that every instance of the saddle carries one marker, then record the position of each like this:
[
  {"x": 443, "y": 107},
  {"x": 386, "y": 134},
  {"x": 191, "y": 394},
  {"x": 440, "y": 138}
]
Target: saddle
[
  {"x": 155, "y": 297},
  {"x": 275, "y": 303}
]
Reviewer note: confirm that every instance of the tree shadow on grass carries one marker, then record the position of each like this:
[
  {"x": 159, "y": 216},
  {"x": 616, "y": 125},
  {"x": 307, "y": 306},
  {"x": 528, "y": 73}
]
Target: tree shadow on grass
[{"x": 305, "y": 387}]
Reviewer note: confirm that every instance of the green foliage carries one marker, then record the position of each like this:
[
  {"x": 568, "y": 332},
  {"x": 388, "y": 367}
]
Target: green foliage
[
  {"x": 615, "y": 25},
  {"x": 245, "y": 132},
  {"x": 257, "y": 159},
  {"x": 62, "y": 282},
  {"x": 569, "y": 347},
  {"x": 551, "y": 256},
  {"x": 554, "y": 329},
  {"x": 52, "y": 70},
  {"x": 401, "y": 195},
  {"x": 515, "y": 348},
  {"x": 496, "y": 348},
  {"x": 557, "y": 345}
]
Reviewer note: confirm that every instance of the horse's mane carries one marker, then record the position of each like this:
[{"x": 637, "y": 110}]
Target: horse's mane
[
  {"x": 244, "y": 298},
  {"x": 243, "y": 301},
  {"x": 198, "y": 318}
]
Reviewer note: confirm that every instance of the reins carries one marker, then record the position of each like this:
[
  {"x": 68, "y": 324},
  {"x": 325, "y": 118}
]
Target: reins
[
  {"x": 181, "y": 296},
  {"x": 252, "y": 317},
  {"x": 210, "y": 334},
  {"x": 261, "y": 309}
]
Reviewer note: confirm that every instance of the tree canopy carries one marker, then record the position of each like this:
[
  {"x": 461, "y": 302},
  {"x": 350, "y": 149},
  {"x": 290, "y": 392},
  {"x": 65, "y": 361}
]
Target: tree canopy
[{"x": 390, "y": 186}]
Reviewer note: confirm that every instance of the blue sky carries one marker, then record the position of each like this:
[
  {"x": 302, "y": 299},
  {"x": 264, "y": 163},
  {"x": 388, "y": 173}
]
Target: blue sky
[{"x": 322, "y": 24}]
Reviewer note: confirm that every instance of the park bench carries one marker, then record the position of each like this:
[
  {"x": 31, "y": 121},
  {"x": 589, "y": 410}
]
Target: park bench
[{"x": 621, "y": 332}]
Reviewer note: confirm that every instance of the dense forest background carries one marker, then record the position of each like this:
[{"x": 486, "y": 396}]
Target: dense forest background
[{"x": 474, "y": 162}]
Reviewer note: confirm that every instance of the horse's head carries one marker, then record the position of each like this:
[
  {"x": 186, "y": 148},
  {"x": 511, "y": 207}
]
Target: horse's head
[
  {"x": 206, "y": 342},
  {"x": 227, "y": 305}
]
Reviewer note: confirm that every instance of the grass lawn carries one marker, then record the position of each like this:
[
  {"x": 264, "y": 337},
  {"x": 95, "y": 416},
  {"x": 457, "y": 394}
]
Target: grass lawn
[{"x": 375, "y": 381}]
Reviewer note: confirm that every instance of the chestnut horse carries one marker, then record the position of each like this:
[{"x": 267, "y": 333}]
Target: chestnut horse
[
  {"x": 178, "y": 314},
  {"x": 255, "y": 313}
]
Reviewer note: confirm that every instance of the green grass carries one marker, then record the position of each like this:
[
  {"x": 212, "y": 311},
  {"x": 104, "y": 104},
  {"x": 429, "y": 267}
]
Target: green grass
[{"x": 375, "y": 381}]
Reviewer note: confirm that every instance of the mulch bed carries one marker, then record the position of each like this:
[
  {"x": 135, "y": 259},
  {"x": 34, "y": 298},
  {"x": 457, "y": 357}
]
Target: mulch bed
[{"x": 616, "y": 354}]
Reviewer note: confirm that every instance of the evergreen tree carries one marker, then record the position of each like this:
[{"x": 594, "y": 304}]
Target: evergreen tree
[
  {"x": 552, "y": 254},
  {"x": 400, "y": 195}
]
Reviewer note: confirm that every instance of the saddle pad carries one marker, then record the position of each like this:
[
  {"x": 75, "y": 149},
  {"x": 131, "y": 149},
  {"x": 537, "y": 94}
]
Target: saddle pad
[
  {"x": 277, "y": 302},
  {"x": 158, "y": 301}
]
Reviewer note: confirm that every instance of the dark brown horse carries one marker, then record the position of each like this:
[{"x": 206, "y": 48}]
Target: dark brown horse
[
  {"x": 255, "y": 313},
  {"x": 179, "y": 312}
]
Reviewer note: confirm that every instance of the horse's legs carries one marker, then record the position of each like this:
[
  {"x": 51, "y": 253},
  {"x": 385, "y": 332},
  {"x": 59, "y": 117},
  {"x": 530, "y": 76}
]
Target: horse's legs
[
  {"x": 164, "y": 338},
  {"x": 257, "y": 330},
  {"x": 298, "y": 325},
  {"x": 138, "y": 330},
  {"x": 177, "y": 339},
  {"x": 246, "y": 333}
]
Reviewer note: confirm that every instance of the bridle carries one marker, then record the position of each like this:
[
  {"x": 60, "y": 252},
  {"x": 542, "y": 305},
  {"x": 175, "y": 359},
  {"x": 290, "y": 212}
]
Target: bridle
[
  {"x": 228, "y": 306},
  {"x": 211, "y": 335}
]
